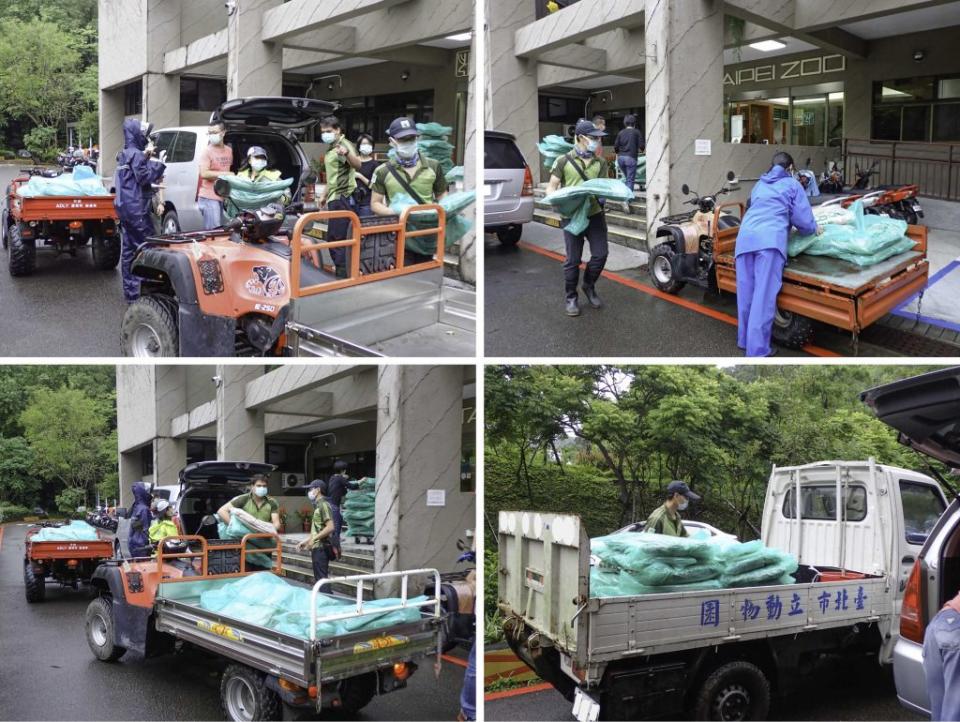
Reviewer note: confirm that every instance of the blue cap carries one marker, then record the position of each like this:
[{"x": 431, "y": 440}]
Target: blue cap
[
  {"x": 680, "y": 487},
  {"x": 586, "y": 127},
  {"x": 402, "y": 128}
]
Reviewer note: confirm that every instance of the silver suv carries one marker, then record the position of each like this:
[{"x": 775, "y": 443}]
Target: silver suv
[
  {"x": 507, "y": 188},
  {"x": 925, "y": 412},
  {"x": 270, "y": 122}
]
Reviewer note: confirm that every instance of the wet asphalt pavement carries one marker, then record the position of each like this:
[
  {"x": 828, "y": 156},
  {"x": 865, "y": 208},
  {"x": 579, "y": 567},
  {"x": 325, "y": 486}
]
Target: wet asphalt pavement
[
  {"x": 47, "y": 671},
  {"x": 66, "y": 308}
]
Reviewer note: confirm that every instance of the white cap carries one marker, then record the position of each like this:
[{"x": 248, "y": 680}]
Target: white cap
[{"x": 162, "y": 506}]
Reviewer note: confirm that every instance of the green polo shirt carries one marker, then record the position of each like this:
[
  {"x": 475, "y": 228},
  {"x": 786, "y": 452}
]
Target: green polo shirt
[
  {"x": 428, "y": 182},
  {"x": 661, "y": 522},
  {"x": 341, "y": 176},
  {"x": 321, "y": 515},
  {"x": 267, "y": 507},
  {"x": 563, "y": 168}
]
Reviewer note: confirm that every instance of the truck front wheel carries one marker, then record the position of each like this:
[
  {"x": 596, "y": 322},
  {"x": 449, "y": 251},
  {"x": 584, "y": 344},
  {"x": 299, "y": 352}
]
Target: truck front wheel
[
  {"x": 735, "y": 691},
  {"x": 149, "y": 328},
  {"x": 34, "y": 584},
  {"x": 244, "y": 695},
  {"x": 100, "y": 632}
]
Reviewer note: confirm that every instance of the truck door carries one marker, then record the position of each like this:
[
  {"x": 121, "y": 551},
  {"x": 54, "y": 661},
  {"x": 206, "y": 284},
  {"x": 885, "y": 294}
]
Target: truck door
[
  {"x": 544, "y": 574},
  {"x": 921, "y": 503}
]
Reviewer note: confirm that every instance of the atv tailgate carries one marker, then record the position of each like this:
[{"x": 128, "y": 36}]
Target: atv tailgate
[
  {"x": 64, "y": 208},
  {"x": 544, "y": 575},
  {"x": 102, "y": 549}
]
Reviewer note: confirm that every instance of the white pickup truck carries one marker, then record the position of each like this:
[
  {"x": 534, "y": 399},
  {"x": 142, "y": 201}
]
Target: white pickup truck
[{"x": 721, "y": 654}]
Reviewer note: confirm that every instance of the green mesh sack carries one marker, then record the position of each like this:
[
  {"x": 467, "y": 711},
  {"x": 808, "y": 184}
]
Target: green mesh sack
[
  {"x": 869, "y": 240},
  {"x": 660, "y": 573},
  {"x": 573, "y": 202},
  {"x": 552, "y": 147},
  {"x": 248, "y": 195},
  {"x": 434, "y": 130},
  {"x": 454, "y": 174},
  {"x": 770, "y": 574},
  {"x": 452, "y": 203}
]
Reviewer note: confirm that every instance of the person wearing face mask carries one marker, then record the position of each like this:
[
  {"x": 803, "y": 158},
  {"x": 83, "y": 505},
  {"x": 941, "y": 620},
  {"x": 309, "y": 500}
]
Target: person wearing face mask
[
  {"x": 368, "y": 164},
  {"x": 163, "y": 525},
  {"x": 341, "y": 164},
  {"x": 572, "y": 169},
  {"x": 137, "y": 172},
  {"x": 216, "y": 159},
  {"x": 413, "y": 174},
  {"x": 321, "y": 541},
  {"x": 665, "y": 519},
  {"x": 256, "y": 502}
]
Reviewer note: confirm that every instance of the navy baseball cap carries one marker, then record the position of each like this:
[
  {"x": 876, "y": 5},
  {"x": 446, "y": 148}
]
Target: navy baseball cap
[
  {"x": 680, "y": 487},
  {"x": 317, "y": 484},
  {"x": 585, "y": 127},
  {"x": 402, "y": 128}
]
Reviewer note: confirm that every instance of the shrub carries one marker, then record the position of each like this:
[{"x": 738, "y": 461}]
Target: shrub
[{"x": 13, "y": 512}]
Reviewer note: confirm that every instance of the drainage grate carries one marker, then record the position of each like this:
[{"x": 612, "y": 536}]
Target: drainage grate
[{"x": 908, "y": 342}]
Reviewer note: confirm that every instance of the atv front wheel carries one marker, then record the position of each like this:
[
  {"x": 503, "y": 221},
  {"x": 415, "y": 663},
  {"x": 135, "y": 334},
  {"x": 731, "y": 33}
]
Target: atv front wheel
[
  {"x": 791, "y": 330},
  {"x": 149, "y": 328},
  {"x": 106, "y": 252},
  {"x": 21, "y": 254},
  {"x": 34, "y": 584},
  {"x": 661, "y": 269},
  {"x": 100, "y": 632}
]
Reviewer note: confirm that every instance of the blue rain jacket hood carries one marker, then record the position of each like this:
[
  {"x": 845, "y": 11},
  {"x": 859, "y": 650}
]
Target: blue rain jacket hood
[
  {"x": 135, "y": 174},
  {"x": 133, "y": 136},
  {"x": 778, "y": 202},
  {"x": 140, "y": 520}
]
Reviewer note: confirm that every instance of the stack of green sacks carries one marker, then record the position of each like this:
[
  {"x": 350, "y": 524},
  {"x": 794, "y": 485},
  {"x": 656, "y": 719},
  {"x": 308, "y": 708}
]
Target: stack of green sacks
[
  {"x": 452, "y": 203},
  {"x": 236, "y": 529},
  {"x": 267, "y": 600},
  {"x": 867, "y": 240},
  {"x": 433, "y": 144},
  {"x": 640, "y": 563},
  {"x": 359, "y": 508},
  {"x": 551, "y": 148}
]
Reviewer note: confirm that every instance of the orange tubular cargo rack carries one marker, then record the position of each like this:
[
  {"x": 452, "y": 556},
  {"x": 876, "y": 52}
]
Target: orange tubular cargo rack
[
  {"x": 851, "y": 309},
  {"x": 204, "y": 552},
  {"x": 356, "y": 276}
]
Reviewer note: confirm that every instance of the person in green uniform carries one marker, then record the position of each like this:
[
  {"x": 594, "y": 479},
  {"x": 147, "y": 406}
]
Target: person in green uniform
[
  {"x": 256, "y": 502},
  {"x": 410, "y": 173},
  {"x": 571, "y": 169},
  {"x": 320, "y": 541},
  {"x": 665, "y": 519},
  {"x": 341, "y": 163}
]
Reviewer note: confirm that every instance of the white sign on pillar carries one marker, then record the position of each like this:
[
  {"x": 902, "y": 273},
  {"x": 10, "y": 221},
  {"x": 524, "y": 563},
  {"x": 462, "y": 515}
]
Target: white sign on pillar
[
  {"x": 436, "y": 497},
  {"x": 702, "y": 146}
]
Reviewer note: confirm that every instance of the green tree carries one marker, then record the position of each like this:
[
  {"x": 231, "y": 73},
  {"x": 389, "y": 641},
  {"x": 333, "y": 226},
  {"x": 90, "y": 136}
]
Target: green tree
[{"x": 17, "y": 482}]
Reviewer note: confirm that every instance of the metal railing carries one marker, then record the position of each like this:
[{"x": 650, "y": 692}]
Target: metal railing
[
  {"x": 934, "y": 167},
  {"x": 205, "y": 549}
]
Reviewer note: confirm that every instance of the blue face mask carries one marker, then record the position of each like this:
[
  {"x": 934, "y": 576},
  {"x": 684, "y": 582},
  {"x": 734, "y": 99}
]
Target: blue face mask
[
  {"x": 328, "y": 136},
  {"x": 407, "y": 150},
  {"x": 260, "y": 491}
]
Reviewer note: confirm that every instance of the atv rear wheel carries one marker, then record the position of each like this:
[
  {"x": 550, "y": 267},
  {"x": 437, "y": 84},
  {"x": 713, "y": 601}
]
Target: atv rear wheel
[
  {"x": 100, "y": 632},
  {"x": 106, "y": 252},
  {"x": 791, "y": 330},
  {"x": 149, "y": 328},
  {"x": 244, "y": 695},
  {"x": 356, "y": 692},
  {"x": 21, "y": 254},
  {"x": 661, "y": 269},
  {"x": 34, "y": 584}
]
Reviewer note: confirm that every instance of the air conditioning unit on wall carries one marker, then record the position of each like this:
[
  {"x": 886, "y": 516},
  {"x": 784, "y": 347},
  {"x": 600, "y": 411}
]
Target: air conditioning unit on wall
[{"x": 292, "y": 480}]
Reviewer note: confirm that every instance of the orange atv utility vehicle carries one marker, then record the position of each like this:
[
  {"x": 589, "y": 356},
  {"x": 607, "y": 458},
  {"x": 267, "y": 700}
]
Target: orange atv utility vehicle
[
  {"x": 62, "y": 224},
  {"x": 256, "y": 287},
  {"x": 69, "y": 563}
]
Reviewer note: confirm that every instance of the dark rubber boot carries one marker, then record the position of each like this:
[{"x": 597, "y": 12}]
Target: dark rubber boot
[{"x": 573, "y": 306}]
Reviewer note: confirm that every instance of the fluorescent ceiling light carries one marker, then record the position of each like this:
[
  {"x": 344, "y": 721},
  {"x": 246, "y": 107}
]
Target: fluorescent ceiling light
[
  {"x": 779, "y": 101},
  {"x": 836, "y": 96},
  {"x": 462, "y": 37},
  {"x": 893, "y": 93},
  {"x": 768, "y": 46}
]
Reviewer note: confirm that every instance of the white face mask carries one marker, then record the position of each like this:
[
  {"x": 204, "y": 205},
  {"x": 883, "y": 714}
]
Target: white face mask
[
  {"x": 683, "y": 504},
  {"x": 366, "y": 148},
  {"x": 214, "y": 138},
  {"x": 407, "y": 150},
  {"x": 328, "y": 136},
  {"x": 312, "y": 494},
  {"x": 258, "y": 164},
  {"x": 260, "y": 491},
  {"x": 592, "y": 144}
]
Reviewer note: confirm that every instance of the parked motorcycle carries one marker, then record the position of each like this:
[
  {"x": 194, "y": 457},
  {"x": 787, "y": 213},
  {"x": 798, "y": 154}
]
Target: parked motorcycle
[{"x": 458, "y": 597}]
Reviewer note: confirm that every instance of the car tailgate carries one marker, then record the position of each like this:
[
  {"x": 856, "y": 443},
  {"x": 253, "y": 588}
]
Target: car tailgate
[{"x": 544, "y": 574}]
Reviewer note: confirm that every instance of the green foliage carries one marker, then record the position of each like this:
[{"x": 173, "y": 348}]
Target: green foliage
[
  {"x": 68, "y": 500},
  {"x": 42, "y": 143},
  {"x": 17, "y": 482},
  {"x": 13, "y": 512}
]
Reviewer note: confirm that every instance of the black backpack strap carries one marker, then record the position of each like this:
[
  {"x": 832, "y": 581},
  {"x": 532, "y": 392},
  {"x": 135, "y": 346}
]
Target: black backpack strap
[
  {"x": 577, "y": 167},
  {"x": 405, "y": 184}
]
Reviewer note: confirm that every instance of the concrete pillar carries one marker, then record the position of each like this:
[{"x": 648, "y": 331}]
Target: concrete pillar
[
  {"x": 419, "y": 427},
  {"x": 111, "y": 129},
  {"x": 511, "y": 96},
  {"x": 240, "y": 433},
  {"x": 131, "y": 470},
  {"x": 684, "y": 100},
  {"x": 468, "y": 246},
  {"x": 253, "y": 66},
  {"x": 161, "y": 93},
  {"x": 169, "y": 453}
]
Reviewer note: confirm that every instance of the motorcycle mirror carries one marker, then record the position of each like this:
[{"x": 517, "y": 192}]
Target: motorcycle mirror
[
  {"x": 685, "y": 189},
  {"x": 731, "y": 175}
]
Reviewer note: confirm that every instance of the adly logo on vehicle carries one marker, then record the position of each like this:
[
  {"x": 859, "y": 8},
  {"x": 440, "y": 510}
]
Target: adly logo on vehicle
[
  {"x": 377, "y": 643},
  {"x": 265, "y": 282},
  {"x": 221, "y": 630}
]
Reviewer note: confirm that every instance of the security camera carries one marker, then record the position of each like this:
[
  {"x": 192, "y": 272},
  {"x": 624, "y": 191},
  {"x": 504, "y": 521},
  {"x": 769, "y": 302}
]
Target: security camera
[
  {"x": 231, "y": 6},
  {"x": 918, "y": 56},
  {"x": 217, "y": 380}
]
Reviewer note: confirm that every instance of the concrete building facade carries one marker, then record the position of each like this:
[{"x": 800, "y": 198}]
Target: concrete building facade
[
  {"x": 836, "y": 71},
  {"x": 172, "y": 62},
  {"x": 410, "y": 427}
]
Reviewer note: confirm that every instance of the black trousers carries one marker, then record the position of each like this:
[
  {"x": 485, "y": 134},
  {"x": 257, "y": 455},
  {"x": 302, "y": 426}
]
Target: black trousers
[
  {"x": 596, "y": 236},
  {"x": 339, "y": 229},
  {"x": 321, "y": 563}
]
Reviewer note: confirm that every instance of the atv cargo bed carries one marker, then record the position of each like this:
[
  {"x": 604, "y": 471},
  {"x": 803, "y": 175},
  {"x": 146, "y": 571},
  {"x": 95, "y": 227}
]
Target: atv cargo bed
[
  {"x": 101, "y": 549},
  {"x": 64, "y": 208}
]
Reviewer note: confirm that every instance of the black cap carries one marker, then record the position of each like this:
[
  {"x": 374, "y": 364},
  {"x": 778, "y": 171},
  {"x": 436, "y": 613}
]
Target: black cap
[
  {"x": 340, "y": 465},
  {"x": 317, "y": 484},
  {"x": 402, "y": 128},
  {"x": 585, "y": 127},
  {"x": 680, "y": 487},
  {"x": 630, "y": 120}
]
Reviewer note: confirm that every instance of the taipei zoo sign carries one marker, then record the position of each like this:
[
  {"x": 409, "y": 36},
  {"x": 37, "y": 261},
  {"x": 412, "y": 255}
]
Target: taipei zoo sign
[{"x": 789, "y": 70}]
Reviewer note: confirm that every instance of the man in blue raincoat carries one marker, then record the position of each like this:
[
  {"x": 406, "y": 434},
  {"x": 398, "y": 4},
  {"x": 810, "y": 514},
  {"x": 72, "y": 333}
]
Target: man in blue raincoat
[
  {"x": 140, "y": 520},
  {"x": 778, "y": 202},
  {"x": 136, "y": 171}
]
